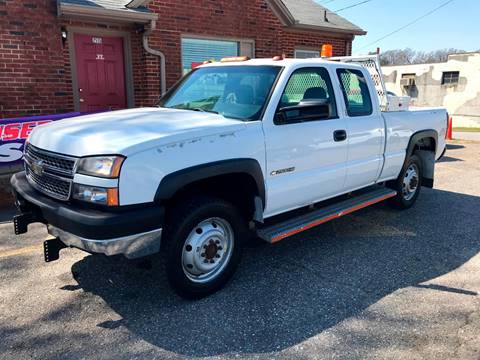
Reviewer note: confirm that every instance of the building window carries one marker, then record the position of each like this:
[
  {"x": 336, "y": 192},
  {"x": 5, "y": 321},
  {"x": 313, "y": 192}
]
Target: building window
[
  {"x": 450, "y": 77},
  {"x": 196, "y": 51},
  {"x": 306, "y": 54}
]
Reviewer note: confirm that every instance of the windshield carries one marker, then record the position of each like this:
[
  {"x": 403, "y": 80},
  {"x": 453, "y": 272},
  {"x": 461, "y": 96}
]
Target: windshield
[{"x": 237, "y": 92}]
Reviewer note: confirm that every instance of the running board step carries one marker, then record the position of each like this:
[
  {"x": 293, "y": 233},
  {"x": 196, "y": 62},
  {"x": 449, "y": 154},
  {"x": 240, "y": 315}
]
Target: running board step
[{"x": 290, "y": 227}]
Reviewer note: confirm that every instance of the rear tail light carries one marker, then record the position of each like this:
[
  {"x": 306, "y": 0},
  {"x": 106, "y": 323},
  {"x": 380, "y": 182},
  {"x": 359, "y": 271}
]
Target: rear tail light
[{"x": 448, "y": 125}]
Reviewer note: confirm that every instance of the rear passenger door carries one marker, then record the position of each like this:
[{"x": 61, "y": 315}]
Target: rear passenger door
[
  {"x": 365, "y": 129},
  {"x": 305, "y": 163}
]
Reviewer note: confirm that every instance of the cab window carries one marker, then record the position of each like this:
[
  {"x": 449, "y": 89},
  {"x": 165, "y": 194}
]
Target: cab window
[
  {"x": 355, "y": 92},
  {"x": 309, "y": 84}
]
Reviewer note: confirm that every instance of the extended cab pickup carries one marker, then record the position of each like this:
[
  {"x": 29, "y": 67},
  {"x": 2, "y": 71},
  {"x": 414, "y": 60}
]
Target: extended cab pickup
[{"x": 269, "y": 146}]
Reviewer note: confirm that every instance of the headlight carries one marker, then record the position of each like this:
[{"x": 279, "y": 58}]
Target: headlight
[
  {"x": 96, "y": 195},
  {"x": 102, "y": 166}
]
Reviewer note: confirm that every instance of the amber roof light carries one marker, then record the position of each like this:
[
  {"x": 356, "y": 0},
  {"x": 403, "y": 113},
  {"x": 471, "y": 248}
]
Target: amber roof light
[
  {"x": 234, "y": 59},
  {"x": 327, "y": 50}
]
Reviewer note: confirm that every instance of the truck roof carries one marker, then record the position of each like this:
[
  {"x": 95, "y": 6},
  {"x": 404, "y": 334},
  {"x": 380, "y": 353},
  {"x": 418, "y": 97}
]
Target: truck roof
[
  {"x": 368, "y": 63},
  {"x": 288, "y": 62}
]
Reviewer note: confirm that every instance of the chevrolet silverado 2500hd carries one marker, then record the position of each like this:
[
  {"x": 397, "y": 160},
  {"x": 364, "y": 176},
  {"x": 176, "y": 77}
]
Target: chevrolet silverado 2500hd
[{"x": 273, "y": 146}]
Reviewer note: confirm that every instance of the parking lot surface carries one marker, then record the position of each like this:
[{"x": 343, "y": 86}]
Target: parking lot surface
[{"x": 375, "y": 284}]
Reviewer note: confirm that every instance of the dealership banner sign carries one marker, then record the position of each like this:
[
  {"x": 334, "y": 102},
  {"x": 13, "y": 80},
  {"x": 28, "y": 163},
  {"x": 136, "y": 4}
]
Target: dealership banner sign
[{"x": 14, "y": 132}]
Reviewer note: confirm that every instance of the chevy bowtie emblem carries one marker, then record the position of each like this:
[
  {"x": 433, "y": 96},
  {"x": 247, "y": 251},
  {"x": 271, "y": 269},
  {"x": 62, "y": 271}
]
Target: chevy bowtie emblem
[{"x": 37, "y": 167}]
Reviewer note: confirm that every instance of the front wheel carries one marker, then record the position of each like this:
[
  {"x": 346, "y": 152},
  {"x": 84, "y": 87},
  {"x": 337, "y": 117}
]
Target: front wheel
[
  {"x": 204, "y": 246},
  {"x": 408, "y": 184}
]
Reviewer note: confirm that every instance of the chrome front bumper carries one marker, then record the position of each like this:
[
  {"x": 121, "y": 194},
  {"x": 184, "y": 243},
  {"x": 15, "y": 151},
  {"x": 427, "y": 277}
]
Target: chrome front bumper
[{"x": 132, "y": 246}]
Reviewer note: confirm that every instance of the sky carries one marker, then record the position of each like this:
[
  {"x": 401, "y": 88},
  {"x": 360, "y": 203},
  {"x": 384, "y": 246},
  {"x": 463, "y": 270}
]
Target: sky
[{"x": 457, "y": 25}]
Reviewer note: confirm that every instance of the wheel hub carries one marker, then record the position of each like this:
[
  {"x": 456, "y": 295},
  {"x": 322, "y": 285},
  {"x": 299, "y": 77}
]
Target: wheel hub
[
  {"x": 207, "y": 250},
  {"x": 210, "y": 251},
  {"x": 410, "y": 182}
]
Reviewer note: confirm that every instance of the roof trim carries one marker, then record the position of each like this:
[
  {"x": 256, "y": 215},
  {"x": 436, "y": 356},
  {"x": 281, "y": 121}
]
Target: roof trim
[
  {"x": 137, "y": 3},
  {"x": 323, "y": 32},
  {"x": 281, "y": 11},
  {"x": 329, "y": 29},
  {"x": 287, "y": 19},
  {"x": 105, "y": 14}
]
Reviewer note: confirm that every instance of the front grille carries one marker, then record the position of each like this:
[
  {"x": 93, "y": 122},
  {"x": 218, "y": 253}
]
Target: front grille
[
  {"x": 49, "y": 172},
  {"x": 61, "y": 163},
  {"x": 50, "y": 185}
]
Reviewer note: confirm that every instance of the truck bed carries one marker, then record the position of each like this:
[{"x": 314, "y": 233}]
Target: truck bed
[{"x": 401, "y": 125}]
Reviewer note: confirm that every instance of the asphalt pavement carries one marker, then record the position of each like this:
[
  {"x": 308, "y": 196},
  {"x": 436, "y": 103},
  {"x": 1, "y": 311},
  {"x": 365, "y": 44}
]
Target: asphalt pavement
[{"x": 377, "y": 284}]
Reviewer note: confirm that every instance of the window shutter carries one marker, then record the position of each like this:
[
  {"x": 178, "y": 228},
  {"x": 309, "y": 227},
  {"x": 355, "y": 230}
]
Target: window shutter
[{"x": 199, "y": 50}]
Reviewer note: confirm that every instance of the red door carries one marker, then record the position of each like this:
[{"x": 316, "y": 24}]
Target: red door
[{"x": 100, "y": 72}]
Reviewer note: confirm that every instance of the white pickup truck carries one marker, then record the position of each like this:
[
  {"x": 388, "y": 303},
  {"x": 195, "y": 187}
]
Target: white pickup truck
[{"x": 267, "y": 146}]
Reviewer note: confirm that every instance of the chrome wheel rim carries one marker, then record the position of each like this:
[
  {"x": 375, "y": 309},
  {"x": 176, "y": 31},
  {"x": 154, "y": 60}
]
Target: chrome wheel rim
[
  {"x": 410, "y": 182},
  {"x": 207, "y": 250}
]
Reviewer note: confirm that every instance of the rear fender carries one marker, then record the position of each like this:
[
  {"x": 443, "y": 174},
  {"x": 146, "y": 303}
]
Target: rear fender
[{"x": 427, "y": 156}]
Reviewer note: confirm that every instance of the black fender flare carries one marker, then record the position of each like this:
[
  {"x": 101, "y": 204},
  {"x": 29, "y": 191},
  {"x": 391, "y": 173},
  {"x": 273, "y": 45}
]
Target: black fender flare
[
  {"x": 418, "y": 136},
  {"x": 414, "y": 139},
  {"x": 175, "y": 181}
]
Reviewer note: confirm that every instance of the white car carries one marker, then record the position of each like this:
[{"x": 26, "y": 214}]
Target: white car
[{"x": 235, "y": 147}]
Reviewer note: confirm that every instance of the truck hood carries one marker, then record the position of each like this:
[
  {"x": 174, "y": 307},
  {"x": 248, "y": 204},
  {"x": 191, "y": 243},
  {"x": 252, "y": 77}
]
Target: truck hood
[{"x": 126, "y": 132}]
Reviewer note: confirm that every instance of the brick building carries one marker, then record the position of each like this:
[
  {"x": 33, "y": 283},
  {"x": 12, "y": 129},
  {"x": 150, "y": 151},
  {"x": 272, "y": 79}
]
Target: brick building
[{"x": 81, "y": 55}]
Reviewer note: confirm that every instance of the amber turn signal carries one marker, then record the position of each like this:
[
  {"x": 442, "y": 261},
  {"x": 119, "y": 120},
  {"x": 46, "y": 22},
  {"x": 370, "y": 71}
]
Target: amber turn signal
[{"x": 112, "y": 197}]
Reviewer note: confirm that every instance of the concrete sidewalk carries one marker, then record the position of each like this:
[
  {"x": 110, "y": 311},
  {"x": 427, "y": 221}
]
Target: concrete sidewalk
[{"x": 465, "y": 135}]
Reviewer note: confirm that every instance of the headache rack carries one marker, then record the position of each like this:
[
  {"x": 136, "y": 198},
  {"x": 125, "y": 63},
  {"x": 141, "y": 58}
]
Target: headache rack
[{"x": 372, "y": 64}]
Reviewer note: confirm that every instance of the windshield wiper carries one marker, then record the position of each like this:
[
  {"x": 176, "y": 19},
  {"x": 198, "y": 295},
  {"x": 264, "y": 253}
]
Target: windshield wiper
[{"x": 203, "y": 110}]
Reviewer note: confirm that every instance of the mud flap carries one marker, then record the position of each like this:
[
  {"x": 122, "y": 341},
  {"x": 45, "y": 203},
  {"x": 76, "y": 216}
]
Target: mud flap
[
  {"x": 428, "y": 166},
  {"x": 51, "y": 249}
]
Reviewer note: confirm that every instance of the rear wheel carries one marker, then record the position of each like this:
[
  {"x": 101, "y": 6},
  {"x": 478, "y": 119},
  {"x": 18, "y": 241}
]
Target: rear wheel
[
  {"x": 408, "y": 184},
  {"x": 205, "y": 241},
  {"x": 443, "y": 153}
]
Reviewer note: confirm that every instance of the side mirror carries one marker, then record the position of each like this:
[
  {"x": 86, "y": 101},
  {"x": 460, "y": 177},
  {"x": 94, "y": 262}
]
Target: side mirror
[{"x": 306, "y": 110}]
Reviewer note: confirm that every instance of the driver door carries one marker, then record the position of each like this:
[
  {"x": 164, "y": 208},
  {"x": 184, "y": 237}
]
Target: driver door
[{"x": 306, "y": 159}]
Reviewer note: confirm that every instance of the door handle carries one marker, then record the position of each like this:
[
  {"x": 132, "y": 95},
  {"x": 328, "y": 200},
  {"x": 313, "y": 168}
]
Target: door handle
[{"x": 339, "y": 135}]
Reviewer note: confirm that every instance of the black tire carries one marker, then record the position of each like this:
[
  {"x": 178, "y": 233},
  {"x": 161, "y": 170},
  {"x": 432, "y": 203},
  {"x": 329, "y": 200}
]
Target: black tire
[
  {"x": 401, "y": 200},
  {"x": 184, "y": 219},
  {"x": 443, "y": 153}
]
